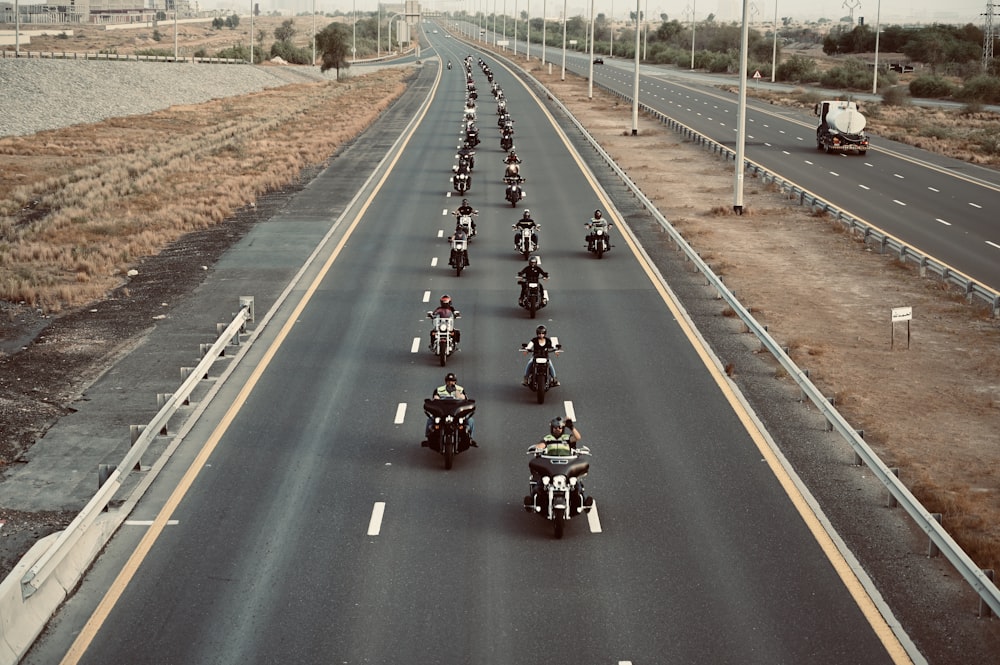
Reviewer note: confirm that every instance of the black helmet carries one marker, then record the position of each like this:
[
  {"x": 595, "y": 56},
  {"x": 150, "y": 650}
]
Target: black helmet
[
  {"x": 450, "y": 376},
  {"x": 540, "y": 330},
  {"x": 597, "y": 214},
  {"x": 556, "y": 424},
  {"x": 527, "y": 214}
]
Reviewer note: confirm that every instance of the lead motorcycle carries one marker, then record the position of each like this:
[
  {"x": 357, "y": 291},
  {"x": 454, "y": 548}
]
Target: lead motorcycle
[
  {"x": 449, "y": 433},
  {"x": 444, "y": 335},
  {"x": 555, "y": 489},
  {"x": 539, "y": 376}
]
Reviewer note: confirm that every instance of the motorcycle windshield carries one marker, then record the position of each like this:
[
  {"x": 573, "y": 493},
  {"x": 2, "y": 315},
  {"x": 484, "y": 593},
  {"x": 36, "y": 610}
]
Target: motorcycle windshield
[{"x": 442, "y": 408}]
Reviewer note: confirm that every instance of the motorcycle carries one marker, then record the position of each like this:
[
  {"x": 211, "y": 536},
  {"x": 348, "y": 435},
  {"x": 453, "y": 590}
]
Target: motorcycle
[
  {"x": 459, "y": 258},
  {"x": 464, "y": 222},
  {"x": 501, "y": 106},
  {"x": 599, "y": 238},
  {"x": 466, "y": 162},
  {"x": 555, "y": 487},
  {"x": 527, "y": 244},
  {"x": 444, "y": 335},
  {"x": 514, "y": 192},
  {"x": 449, "y": 64},
  {"x": 506, "y": 141},
  {"x": 539, "y": 379},
  {"x": 449, "y": 434},
  {"x": 472, "y": 136},
  {"x": 462, "y": 181},
  {"x": 534, "y": 298}
]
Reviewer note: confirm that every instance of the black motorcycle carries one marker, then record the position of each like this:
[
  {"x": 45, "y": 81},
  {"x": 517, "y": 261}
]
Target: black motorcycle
[
  {"x": 514, "y": 192},
  {"x": 539, "y": 379},
  {"x": 555, "y": 489},
  {"x": 462, "y": 181},
  {"x": 599, "y": 238},
  {"x": 533, "y": 299},
  {"x": 459, "y": 256},
  {"x": 449, "y": 434},
  {"x": 507, "y": 141}
]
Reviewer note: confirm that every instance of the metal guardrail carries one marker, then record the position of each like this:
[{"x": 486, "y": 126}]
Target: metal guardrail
[
  {"x": 115, "y": 57},
  {"x": 37, "y": 575},
  {"x": 870, "y": 234},
  {"x": 979, "y": 580}
]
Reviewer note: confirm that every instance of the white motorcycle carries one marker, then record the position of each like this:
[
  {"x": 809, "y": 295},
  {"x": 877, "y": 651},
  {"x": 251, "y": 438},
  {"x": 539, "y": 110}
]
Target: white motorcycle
[
  {"x": 444, "y": 335},
  {"x": 524, "y": 240}
]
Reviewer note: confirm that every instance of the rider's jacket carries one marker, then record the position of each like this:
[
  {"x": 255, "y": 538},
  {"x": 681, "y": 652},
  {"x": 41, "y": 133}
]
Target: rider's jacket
[
  {"x": 525, "y": 223},
  {"x": 540, "y": 347},
  {"x": 441, "y": 392},
  {"x": 531, "y": 273},
  {"x": 465, "y": 210}
]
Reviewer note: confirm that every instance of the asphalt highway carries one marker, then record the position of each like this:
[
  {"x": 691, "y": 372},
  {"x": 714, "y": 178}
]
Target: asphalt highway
[{"x": 302, "y": 521}]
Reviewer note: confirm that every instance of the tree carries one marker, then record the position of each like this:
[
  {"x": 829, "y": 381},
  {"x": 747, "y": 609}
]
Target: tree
[
  {"x": 232, "y": 21},
  {"x": 332, "y": 41},
  {"x": 285, "y": 31}
]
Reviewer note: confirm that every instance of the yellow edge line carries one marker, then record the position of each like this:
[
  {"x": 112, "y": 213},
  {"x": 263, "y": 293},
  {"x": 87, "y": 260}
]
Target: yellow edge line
[
  {"x": 843, "y": 569},
  {"x": 117, "y": 588}
]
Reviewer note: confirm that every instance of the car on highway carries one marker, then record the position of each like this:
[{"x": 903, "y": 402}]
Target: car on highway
[{"x": 598, "y": 60}]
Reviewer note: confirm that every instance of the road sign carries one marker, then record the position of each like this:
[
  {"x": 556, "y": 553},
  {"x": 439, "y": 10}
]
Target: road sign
[{"x": 756, "y": 74}]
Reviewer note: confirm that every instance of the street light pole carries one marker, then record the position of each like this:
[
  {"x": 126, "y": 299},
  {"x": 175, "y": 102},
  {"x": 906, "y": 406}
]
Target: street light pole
[
  {"x": 635, "y": 80},
  {"x": 693, "y": 7},
  {"x": 774, "y": 48},
  {"x": 251, "y": 31},
  {"x": 742, "y": 117},
  {"x": 878, "y": 15},
  {"x": 314, "y": 34},
  {"x": 527, "y": 32},
  {"x": 544, "y": 25},
  {"x": 564, "y": 43},
  {"x": 590, "y": 86}
]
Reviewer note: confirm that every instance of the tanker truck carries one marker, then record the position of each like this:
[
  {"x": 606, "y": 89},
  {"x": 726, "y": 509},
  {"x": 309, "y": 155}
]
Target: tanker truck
[{"x": 841, "y": 127}]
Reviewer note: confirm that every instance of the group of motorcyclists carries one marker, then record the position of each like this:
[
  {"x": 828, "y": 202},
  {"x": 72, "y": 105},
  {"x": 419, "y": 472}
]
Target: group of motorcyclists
[{"x": 539, "y": 372}]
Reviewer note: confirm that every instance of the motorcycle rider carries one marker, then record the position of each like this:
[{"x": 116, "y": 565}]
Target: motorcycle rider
[
  {"x": 562, "y": 437},
  {"x": 445, "y": 310},
  {"x": 460, "y": 234},
  {"x": 526, "y": 222},
  {"x": 465, "y": 209},
  {"x": 450, "y": 390},
  {"x": 468, "y": 153},
  {"x": 540, "y": 346},
  {"x": 512, "y": 161},
  {"x": 598, "y": 221},
  {"x": 531, "y": 273}
]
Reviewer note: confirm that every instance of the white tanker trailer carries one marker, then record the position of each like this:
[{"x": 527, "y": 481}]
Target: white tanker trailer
[{"x": 841, "y": 127}]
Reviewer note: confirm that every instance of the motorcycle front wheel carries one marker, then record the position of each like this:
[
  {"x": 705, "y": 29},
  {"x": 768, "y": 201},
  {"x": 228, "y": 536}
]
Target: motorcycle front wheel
[
  {"x": 443, "y": 352},
  {"x": 558, "y": 523},
  {"x": 449, "y": 454},
  {"x": 540, "y": 391}
]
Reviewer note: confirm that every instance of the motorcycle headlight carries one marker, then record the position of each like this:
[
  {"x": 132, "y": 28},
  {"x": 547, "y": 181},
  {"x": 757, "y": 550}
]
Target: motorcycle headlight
[
  {"x": 573, "y": 482},
  {"x": 545, "y": 480},
  {"x": 559, "y": 482},
  {"x": 443, "y": 327}
]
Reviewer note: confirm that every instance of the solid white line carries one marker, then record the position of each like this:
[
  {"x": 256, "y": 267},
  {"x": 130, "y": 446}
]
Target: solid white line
[
  {"x": 375, "y": 523},
  {"x": 427, "y": 296},
  {"x": 434, "y": 261},
  {"x": 400, "y": 411},
  {"x": 148, "y": 522},
  {"x": 594, "y": 520},
  {"x": 992, "y": 244},
  {"x": 415, "y": 346}
]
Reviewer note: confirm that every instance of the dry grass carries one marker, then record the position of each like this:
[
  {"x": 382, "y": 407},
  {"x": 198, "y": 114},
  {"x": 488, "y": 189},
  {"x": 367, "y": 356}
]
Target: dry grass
[{"x": 80, "y": 206}]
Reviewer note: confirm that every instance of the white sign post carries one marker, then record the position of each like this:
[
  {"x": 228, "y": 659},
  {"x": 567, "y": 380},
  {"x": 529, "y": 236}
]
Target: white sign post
[{"x": 900, "y": 314}]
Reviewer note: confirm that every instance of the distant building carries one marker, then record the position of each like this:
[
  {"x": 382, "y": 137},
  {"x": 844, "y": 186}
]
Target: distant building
[{"x": 95, "y": 11}]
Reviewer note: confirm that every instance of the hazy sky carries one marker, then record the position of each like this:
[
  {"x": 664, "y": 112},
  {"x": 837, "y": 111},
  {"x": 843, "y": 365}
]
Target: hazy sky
[{"x": 892, "y": 11}]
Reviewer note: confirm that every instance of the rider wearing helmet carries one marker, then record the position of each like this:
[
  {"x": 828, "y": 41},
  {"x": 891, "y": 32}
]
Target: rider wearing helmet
[
  {"x": 450, "y": 390},
  {"x": 561, "y": 431},
  {"x": 512, "y": 161},
  {"x": 540, "y": 346},
  {"x": 531, "y": 273},
  {"x": 526, "y": 222},
  {"x": 466, "y": 209},
  {"x": 597, "y": 221},
  {"x": 445, "y": 307}
]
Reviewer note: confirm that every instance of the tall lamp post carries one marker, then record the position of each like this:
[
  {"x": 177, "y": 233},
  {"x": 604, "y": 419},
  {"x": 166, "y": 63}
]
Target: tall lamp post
[
  {"x": 314, "y": 34},
  {"x": 564, "y": 43},
  {"x": 612, "y": 24},
  {"x": 774, "y": 48},
  {"x": 693, "y": 6},
  {"x": 742, "y": 117},
  {"x": 590, "y": 86},
  {"x": 544, "y": 25},
  {"x": 251, "y": 32},
  {"x": 878, "y": 13},
  {"x": 527, "y": 32},
  {"x": 635, "y": 80}
]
